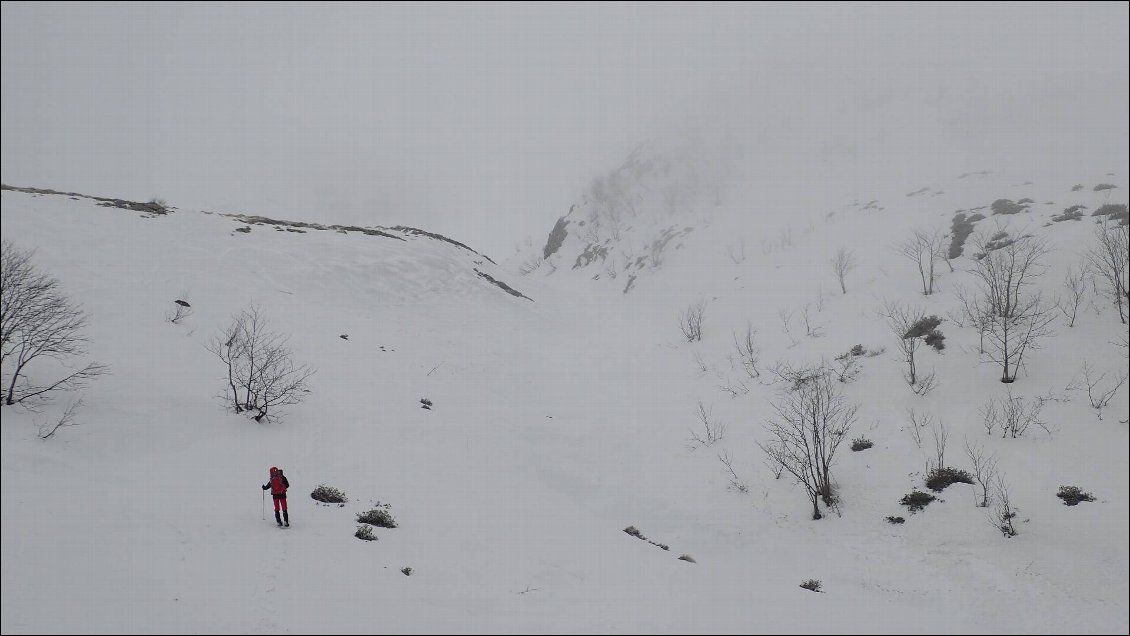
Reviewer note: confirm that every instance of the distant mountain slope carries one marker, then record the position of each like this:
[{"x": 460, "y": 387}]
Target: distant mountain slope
[
  {"x": 457, "y": 264},
  {"x": 630, "y": 222}
]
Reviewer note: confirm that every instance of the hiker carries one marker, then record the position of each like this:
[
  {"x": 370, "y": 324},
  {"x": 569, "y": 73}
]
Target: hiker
[{"x": 278, "y": 485}]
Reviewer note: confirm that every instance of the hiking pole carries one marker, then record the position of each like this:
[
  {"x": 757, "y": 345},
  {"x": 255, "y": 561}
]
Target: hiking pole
[{"x": 264, "y": 515}]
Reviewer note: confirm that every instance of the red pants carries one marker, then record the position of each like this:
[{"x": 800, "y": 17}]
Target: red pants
[{"x": 283, "y": 500}]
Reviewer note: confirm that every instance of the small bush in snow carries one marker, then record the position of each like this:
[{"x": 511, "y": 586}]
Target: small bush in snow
[
  {"x": 916, "y": 500},
  {"x": 811, "y": 584},
  {"x": 328, "y": 494},
  {"x": 406, "y": 571},
  {"x": 861, "y": 443},
  {"x": 690, "y": 321},
  {"x": 895, "y": 520},
  {"x": 378, "y": 516},
  {"x": 940, "y": 478},
  {"x": 365, "y": 533},
  {"x": 1072, "y": 495}
]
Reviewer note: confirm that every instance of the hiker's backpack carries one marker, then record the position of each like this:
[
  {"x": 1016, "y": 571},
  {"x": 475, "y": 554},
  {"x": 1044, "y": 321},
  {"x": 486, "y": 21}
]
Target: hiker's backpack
[{"x": 278, "y": 486}]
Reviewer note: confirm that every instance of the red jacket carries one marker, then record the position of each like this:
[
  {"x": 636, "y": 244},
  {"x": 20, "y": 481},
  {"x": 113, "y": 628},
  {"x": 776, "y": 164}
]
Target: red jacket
[{"x": 278, "y": 484}]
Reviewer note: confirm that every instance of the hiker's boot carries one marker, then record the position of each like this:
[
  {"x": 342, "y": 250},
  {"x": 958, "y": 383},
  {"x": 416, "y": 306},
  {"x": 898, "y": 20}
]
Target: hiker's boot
[
  {"x": 286, "y": 519},
  {"x": 278, "y": 519}
]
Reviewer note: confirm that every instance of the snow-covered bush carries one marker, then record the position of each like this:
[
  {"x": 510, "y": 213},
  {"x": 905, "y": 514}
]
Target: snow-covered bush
[
  {"x": 377, "y": 516},
  {"x": 328, "y": 494}
]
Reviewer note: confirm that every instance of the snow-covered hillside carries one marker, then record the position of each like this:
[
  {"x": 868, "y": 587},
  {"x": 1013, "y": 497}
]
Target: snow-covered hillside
[{"x": 558, "y": 423}]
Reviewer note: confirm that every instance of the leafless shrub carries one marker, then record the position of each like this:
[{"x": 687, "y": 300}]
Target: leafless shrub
[
  {"x": 700, "y": 363},
  {"x": 984, "y": 469},
  {"x": 810, "y": 424},
  {"x": 749, "y": 354},
  {"x": 1097, "y": 395},
  {"x": 845, "y": 368},
  {"x": 922, "y": 249},
  {"x": 737, "y": 483},
  {"x": 1075, "y": 282},
  {"x": 810, "y": 330},
  {"x": 711, "y": 429},
  {"x": 734, "y": 387},
  {"x": 972, "y": 311},
  {"x": 67, "y": 419},
  {"x": 796, "y": 376},
  {"x": 918, "y": 423},
  {"x": 262, "y": 374},
  {"x": 926, "y": 383},
  {"x": 690, "y": 322},
  {"x": 1012, "y": 415},
  {"x": 941, "y": 436},
  {"x": 1003, "y": 511},
  {"x": 38, "y": 322},
  {"x": 843, "y": 263},
  {"x": 786, "y": 316},
  {"x": 775, "y": 466}
]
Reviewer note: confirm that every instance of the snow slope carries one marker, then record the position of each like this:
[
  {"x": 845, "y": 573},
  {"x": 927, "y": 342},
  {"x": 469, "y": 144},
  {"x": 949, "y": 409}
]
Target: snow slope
[{"x": 556, "y": 424}]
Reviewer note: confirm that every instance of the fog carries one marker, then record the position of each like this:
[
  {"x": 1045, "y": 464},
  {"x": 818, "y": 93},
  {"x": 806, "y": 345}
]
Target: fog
[{"x": 484, "y": 122}]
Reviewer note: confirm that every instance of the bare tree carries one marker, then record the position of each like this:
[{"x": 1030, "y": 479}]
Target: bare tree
[
  {"x": 810, "y": 424},
  {"x": 1110, "y": 259},
  {"x": 1015, "y": 319},
  {"x": 922, "y": 249},
  {"x": 912, "y": 328},
  {"x": 262, "y": 374},
  {"x": 842, "y": 263},
  {"x": 1075, "y": 282},
  {"x": 900, "y": 319},
  {"x": 690, "y": 322},
  {"x": 984, "y": 469},
  {"x": 38, "y": 322}
]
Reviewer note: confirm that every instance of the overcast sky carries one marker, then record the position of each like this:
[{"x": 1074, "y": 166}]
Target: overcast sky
[{"x": 485, "y": 121}]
